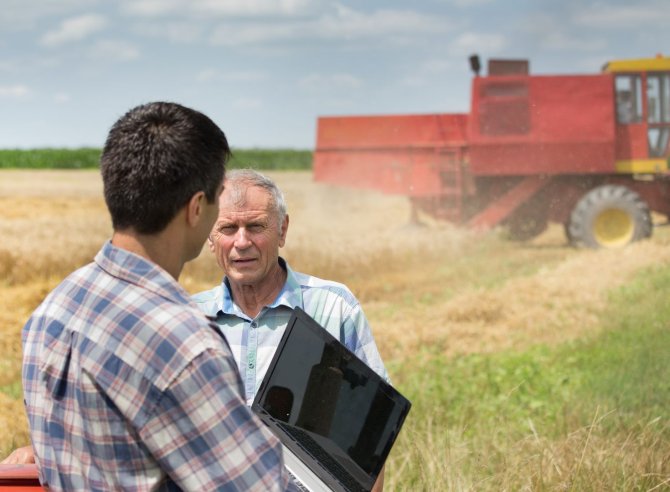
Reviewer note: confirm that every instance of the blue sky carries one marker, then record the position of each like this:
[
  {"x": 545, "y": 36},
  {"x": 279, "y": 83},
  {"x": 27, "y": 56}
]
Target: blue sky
[{"x": 265, "y": 69}]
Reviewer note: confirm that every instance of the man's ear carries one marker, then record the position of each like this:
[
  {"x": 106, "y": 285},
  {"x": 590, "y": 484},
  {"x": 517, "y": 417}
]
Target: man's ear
[
  {"x": 283, "y": 232},
  {"x": 194, "y": 208}
]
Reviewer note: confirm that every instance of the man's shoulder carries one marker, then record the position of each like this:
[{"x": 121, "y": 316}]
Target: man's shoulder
[
  {"x": 140, "y": 328},
  {"x": 69, "y": 289},
  {"x": 175, "y": 335},
  {"x": 311, "y": 282},
  {"x": 208, "y": 301},
  {"x": 207, "y": 295},
  {"x": 316, "y": 287}
]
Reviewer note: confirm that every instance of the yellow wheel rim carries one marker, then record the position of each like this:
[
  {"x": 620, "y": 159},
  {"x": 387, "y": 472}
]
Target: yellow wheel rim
[{"x": 613, "y": 227}]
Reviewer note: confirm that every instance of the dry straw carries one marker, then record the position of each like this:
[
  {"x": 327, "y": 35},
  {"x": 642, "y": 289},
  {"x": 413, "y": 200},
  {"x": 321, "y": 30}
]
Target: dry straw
[{"x": 419, "y": 287}]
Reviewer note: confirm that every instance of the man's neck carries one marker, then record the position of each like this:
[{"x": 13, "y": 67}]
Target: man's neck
[
  {"x": 157, "y": 248},
  {"x": 252, "y": 298}
]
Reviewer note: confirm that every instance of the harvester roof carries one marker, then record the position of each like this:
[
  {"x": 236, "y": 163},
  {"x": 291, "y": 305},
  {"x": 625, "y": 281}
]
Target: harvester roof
[{"x": 658, "y": 64}]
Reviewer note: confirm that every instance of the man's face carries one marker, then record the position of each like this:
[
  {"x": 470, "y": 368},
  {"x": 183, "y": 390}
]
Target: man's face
[
  {"x": 209, "y": 215},
  {"x": 246, "y": 236}
]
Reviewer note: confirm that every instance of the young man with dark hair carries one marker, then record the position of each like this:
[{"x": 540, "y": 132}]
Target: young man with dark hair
[{"x": 127, "y": 384}]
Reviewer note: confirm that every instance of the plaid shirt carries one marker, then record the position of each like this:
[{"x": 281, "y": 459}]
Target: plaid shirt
[
  {"x": 128, "y": 386},
  {"x": 254, "y": 340}
]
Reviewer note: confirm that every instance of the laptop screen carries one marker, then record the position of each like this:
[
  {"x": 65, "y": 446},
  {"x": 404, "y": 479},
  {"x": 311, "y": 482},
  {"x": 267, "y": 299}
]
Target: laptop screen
[{"x": 316, "y": 384}]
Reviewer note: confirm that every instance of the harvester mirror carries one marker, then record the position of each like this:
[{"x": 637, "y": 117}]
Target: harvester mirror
[{"x": 475, "y": 65}]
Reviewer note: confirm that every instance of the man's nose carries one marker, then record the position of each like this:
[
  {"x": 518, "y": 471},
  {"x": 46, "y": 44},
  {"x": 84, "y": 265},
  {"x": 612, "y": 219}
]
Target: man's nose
[{"x": 242, "y": 238}]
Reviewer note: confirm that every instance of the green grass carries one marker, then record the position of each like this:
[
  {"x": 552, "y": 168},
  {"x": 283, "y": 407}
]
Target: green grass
[
  {"x": 89, "y": 158},
  {"x": 589, "y": 415},
  {"x": 274, "y": 160},
  {"x": 13, "y": 390},
  {"x": 82, "y": 158}
]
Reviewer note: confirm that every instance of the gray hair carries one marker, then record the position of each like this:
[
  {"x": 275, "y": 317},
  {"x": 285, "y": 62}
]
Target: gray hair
[{"x": 237, "y": 177}]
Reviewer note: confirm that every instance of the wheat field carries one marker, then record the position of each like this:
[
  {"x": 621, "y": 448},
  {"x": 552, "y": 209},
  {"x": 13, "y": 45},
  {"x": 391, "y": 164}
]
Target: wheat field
[{"x": 437, "y": 285}]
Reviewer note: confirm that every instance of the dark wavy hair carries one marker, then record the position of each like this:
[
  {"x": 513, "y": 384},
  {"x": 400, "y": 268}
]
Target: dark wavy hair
[{"x": 156, "y": 157}]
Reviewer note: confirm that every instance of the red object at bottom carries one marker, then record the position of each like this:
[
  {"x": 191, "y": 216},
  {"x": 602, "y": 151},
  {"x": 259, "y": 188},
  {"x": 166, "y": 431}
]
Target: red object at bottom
[{"x": 21, "y": 478}]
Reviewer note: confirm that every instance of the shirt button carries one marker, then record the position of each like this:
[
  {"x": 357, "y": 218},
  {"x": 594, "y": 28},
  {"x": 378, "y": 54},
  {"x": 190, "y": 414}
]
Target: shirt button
[
  {"x": 251, "y": 365},
  {"x": 253, "y": 324}
]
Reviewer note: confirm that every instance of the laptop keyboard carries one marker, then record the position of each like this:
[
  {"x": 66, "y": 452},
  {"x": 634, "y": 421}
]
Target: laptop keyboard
[
  {"x": 297, "y": 482},
  {"x": 327, "y": 461}
]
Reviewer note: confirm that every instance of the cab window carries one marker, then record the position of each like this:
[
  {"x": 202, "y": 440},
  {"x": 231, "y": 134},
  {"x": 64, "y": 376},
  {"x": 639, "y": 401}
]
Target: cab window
[
  {"x": 628, "y": 98},
  {"x": 658, "y": 98}
]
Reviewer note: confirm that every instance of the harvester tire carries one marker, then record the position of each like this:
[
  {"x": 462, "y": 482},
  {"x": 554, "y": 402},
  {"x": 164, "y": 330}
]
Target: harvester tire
[
  {"x": 525, "y": 228},
  {"x": 529, "y": 221},
  {"x": 609, "y": 216}
]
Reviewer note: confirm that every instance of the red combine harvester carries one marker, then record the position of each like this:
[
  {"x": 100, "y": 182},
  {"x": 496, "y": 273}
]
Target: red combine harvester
[{"x": 587, "y": 151}]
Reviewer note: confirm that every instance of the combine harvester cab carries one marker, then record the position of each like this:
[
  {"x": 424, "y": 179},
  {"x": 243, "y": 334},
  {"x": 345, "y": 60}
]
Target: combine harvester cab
[{"x": 587, "y": 151}]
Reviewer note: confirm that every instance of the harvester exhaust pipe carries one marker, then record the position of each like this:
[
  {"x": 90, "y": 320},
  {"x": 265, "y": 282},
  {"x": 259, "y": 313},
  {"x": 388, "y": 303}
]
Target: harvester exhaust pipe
[{"x": 475, "y": 65}]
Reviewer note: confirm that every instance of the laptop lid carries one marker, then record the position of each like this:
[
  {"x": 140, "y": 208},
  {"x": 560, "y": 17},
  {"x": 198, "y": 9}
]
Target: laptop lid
[{"x": 333, "y": 412}]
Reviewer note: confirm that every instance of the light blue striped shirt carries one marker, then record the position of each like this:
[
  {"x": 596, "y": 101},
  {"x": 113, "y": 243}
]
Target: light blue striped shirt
[{"x": 254, "y": 340}]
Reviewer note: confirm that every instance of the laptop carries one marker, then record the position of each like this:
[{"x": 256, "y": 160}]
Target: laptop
[{"x": 336, "y": 418}]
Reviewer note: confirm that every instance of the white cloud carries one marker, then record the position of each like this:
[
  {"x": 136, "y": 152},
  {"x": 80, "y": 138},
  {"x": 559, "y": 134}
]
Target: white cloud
[
  {"x": 19, "y": 14},
  {"x": 563, "y": 41},
  {"x": 74, "y": 29},
  {"x": 177, "y": 32},
  {"x": 470, "y": 42},
  {"x": 244, "y": 76},
  {"x": 252, "y": 33},
  {"x": 436, "y": 66},
  {"x": 153, "y": 8},
  {"x": 208, "y": 75},
  {"x": 470, "y": 3},
  {"x": 353, "y": 24},
  {"x": 7, "y": 66},
  {"x": 547, "y": 33},
  {"x": 114, "y": 50},
  {"x": 17, "y": 91},
  {"x": 343, "y": 23},
  {"x": 61, "y": 98},
  {"x": 634, "y": 14},
  {"x": 218, "y": 8},
  {"x": 251, "y": 7},
  {"x": 330, "y": 82},
  {"x": 217, "y": 75},
  {"x": 247, "y": 103},
  {"x": 427, "y": 71}
]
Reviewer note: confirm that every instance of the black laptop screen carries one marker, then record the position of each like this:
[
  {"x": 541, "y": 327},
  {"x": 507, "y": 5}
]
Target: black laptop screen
[{"x": 338, "y": 398}]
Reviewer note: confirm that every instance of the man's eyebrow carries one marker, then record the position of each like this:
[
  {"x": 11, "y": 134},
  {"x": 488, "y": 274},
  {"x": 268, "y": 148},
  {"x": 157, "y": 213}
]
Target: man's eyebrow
[
  {"x": 224, "y": 223},
  {"x": 258, "y": 220}
]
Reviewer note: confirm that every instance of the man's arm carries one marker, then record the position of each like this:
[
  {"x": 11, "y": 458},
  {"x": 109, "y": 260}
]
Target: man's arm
[
  {"x": 358, "y": 338},
  {"x": 379, "y": 484},
  {"x": 204, "y": 436},
  {"x": 361, "y": 342},
  {"x": 20, "y": 456}
]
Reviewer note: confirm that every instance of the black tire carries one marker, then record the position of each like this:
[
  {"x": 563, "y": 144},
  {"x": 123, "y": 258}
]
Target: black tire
[
  {"x": 530, "y": 220},
  {"x": 609, "y": 216},
  {"x": 525, "y": 228},
  {"x": 566, "y": 228}
]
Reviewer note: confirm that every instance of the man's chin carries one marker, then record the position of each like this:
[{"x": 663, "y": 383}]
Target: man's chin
[{"x": 242, "y": 277}]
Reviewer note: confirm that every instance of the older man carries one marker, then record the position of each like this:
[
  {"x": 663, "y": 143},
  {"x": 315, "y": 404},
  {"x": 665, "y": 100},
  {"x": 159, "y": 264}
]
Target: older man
[{"x": 253, "y": 304}]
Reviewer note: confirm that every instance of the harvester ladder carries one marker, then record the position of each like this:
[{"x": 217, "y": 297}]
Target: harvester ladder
[
  {"x": 503, "y": 207},
  {"x": 450, "y": 162}
]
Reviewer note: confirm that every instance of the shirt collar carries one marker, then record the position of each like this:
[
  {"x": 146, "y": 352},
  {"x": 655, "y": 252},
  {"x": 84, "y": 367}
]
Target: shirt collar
[
  {"x": 289, "y": 296},
  {"x": 134, "y": 269}
]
